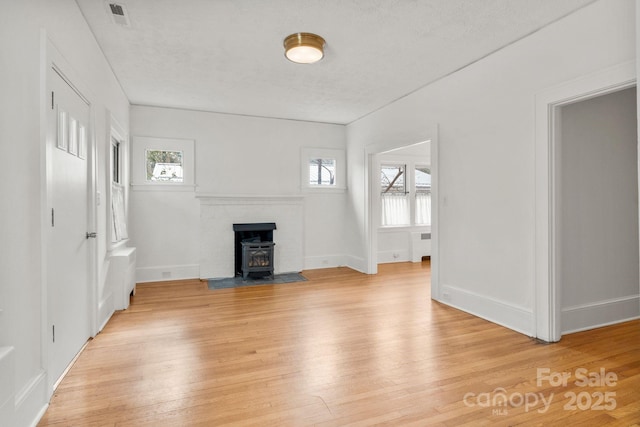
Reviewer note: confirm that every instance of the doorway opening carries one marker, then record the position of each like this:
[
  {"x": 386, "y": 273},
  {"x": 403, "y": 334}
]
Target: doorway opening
[
  {"x": 596, "y": 205},
  {"x": 548, "y": 307},
  {"x": 422, "y": 155},
  {"x": 402, "y": 204}
]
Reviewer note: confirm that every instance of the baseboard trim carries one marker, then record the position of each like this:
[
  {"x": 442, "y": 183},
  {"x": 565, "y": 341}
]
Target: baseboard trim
[
  {"x": 31, "y": 402},
  {"x": 105, "y": 311},
  {"x": 519, "y": 319},
  {"x": 106, "y": 320},
  {"x": 323, "y": 261},
  {"x": 168, "y": 272},
  {"x": 600, "y": 313},
  {"x": 388, "y": 257},
  {"x": 39, "y": 415},
  {"x": 355, "y": 263},
  {"x": 7, "y": 386}
]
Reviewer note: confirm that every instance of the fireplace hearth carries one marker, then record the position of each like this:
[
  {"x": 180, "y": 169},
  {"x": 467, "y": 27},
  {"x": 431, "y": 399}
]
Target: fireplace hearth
[{"x": 254, "y": 249}]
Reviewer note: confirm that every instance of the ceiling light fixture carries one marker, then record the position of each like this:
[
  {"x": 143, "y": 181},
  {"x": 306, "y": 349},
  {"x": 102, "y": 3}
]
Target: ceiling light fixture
[{"x": 304, "y": 48}]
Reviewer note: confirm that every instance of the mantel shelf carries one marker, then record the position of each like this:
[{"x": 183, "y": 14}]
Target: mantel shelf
[
  {"x": 218, "y": 199},
  {"x": 249, "y": 196}
]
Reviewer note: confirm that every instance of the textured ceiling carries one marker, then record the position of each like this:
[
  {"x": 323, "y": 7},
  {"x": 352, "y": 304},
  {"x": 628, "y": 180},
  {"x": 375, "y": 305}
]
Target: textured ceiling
[{"x": 226, "y": 55}]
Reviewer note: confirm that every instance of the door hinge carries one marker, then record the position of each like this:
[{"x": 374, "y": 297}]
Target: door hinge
[
  {"x": 53, "y": 218},
  {"x": 53, "y": 330},
  {"x": 52, "y": 98}
]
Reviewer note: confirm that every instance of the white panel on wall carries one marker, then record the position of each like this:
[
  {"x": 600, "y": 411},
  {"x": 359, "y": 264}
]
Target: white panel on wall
[{"x": 218, "y": 214}]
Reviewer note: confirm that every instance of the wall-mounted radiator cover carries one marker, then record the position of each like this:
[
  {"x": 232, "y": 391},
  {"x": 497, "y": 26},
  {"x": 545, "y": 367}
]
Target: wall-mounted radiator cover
[{"x": 123, "y": 276}]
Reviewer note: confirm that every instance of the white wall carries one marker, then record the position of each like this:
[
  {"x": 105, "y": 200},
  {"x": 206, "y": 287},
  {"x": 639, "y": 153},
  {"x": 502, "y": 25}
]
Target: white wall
[
  {"x": 235, "y": 156},
  {"x": 21, "y": 320},
  {"x": 485, "y": 116},
  {"x": 598, "y": 211}
]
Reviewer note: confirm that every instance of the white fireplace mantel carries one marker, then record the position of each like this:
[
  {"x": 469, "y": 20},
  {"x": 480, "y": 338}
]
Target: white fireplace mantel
[
  {"x": 251, "y": 199},
  {"x": 218, "y": 213}
]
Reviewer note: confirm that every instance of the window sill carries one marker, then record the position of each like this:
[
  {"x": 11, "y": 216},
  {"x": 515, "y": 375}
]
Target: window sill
[
  {"x": 325, "y": 189},
  {"x": 400, "y": 228},
  {"x": 163, "y": 187},
  {"x": 117, "y": 245}
]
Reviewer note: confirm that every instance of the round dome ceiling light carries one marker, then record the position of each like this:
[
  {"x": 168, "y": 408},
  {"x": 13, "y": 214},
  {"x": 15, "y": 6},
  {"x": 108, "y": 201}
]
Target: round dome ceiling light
[{"x": 304, "y": 48}]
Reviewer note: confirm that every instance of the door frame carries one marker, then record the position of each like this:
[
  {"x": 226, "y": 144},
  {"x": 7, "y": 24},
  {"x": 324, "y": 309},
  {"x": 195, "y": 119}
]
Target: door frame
[
  {"x": 52, "y": 61},
  {"x": 547, "y": 304},
  {"x": 430, "y": 133}
]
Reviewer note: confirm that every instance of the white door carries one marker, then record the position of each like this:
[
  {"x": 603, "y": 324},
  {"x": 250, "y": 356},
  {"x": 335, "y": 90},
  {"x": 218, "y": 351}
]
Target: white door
[{"x": 68, "y": 256}]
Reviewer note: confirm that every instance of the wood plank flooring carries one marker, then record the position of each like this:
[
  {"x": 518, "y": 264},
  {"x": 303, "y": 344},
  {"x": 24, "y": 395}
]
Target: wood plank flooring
[{"x": 341, "y": 349}]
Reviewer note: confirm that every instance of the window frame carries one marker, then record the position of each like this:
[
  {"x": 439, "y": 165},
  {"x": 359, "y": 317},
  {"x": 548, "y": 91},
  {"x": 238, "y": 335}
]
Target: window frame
[
  {"x": 410, "y": 163},
  {"x": 321, "y": 161},
  {"x": 140, "y": 146},
  {"x": 416, "y": 165},
  {"x": 404, "y": 175},
  {"x": 311, "y": 154},
  {"x": 116, "y": 160},
  {"x": 117, "y": 179},
  {"x": 405, "y": 192},
  {"x": 146, "y": 157}
]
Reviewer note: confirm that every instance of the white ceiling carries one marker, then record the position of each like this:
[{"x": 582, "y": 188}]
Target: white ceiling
[{"x": 226, "y": 55}]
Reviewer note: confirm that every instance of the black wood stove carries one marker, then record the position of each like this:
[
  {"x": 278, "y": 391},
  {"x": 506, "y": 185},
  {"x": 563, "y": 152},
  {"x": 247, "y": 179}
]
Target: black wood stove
[{"x": 254, "y": 249}]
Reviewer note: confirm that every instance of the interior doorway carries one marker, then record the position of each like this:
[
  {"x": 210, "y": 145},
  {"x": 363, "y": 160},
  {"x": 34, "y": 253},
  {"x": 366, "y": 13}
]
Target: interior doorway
[
  {"x": 596, "y": 215},
  {"x": 547, "y": 289},
  {"x": 402, "y": 203},
  {"x": 372, "y": 182}
]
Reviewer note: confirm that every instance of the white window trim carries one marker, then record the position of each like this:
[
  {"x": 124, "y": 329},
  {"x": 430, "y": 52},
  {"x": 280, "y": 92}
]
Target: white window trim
[
  {"x": 116, "y": 133},
  {"x": 138, "y": 164},
  {"x": 308, "y": 154},
  {"x": 410, "y": 165},
  {"x": 396, "y": 228}
]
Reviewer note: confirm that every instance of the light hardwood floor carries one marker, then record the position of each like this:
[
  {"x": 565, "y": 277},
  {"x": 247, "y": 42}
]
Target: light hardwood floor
[{"x": 343, "y": 348}]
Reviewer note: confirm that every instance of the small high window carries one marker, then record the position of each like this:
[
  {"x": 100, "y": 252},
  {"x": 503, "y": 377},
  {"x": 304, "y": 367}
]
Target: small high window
[
  {"x": 322, "y": 172},
  {"x": 164, "y": 166},
  {"x": 323, "y": 169}
]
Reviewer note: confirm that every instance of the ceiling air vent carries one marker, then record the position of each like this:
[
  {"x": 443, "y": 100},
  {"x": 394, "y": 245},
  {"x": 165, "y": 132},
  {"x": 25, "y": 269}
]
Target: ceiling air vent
[{"x": 119, "y": 14}]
